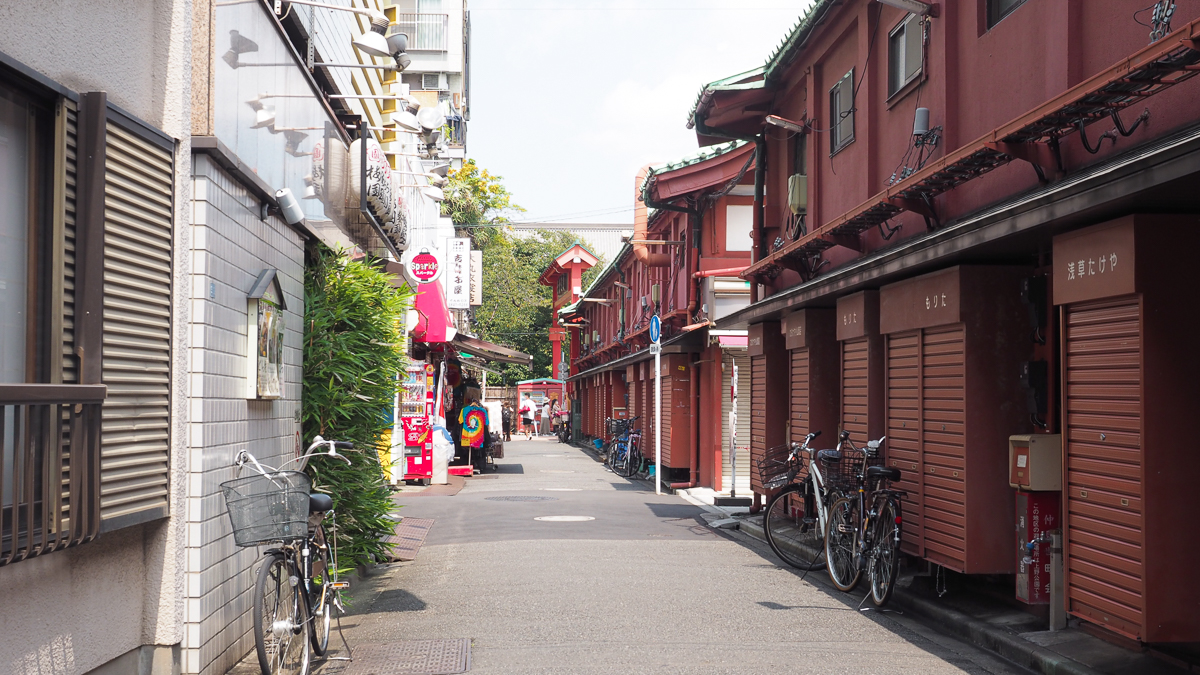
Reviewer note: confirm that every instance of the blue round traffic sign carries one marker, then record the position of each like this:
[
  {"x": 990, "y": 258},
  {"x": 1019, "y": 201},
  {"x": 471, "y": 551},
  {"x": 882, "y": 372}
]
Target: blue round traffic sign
[{"x": 655, "y": 328}]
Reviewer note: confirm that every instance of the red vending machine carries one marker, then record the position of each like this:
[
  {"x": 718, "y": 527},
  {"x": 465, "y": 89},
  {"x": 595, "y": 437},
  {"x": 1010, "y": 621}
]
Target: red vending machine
[{"x": 416, "y": 409}]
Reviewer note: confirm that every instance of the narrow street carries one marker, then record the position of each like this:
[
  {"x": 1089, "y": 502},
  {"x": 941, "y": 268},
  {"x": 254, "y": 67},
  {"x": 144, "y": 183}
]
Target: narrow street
[{"x": 644, "y": 586}]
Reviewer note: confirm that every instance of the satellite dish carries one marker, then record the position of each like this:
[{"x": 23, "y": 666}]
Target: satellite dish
[{"x": 430, "y": 117}]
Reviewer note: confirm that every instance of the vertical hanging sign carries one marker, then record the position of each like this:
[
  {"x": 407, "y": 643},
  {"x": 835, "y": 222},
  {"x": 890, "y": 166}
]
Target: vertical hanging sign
[
  {"x": 458, "y": 277},
  {"x": 476, "y": 278}
]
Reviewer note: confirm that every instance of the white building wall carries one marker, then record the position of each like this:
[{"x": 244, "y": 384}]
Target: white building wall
[
  {"x": 89, "y": 606},
  {"x": 231, "y": 246}
]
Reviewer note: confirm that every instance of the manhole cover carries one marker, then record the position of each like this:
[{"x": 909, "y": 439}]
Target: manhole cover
[
  {"x": 564, "y": 519},
  {"x": 522, "y": 498},
  {"x": 557, "y": 471},
  {"x": 412, "y": 657}
]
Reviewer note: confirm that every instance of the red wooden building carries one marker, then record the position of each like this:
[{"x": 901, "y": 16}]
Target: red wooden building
[{"x": 977, "y": 216}]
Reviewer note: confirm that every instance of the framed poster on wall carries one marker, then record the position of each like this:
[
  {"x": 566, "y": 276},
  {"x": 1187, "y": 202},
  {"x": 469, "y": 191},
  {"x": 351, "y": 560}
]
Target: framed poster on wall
[{"x": 265, "y": 308}]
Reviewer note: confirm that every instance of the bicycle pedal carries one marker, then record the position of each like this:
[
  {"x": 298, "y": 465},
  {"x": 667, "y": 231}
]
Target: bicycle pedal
[{"x": 340, "y": 585}]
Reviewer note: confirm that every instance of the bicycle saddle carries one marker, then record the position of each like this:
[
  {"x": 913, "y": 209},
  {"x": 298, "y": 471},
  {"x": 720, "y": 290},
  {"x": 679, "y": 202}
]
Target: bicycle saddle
[
  {"x": 878, "y": 472},
  {"x": 319, "y": 503},
  {"x": 830, "y": 456}
]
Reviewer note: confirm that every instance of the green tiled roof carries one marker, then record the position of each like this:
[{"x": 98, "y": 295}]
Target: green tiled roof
[
  {"x": 779, "y": 59},
  {"x": 701, "y": 155}
]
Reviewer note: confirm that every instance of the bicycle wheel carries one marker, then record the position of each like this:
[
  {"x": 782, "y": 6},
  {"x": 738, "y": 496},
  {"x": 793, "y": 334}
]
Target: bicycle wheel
[
  {"x": 633, "y": 460},
  {"x": 320, "y": 593},
  {"x": 280, "y": 629},
  {"x": 885, "y": 558},
  {"x": 793, "y": 528},
  {"x": 841, "y": 539}
]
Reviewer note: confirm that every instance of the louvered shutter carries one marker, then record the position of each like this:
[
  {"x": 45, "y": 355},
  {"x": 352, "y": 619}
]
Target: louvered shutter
[
  {"x": 943, "y": 452},
  {"x": 137, "y": 329},
  {"x": 904, "y": 434},
  {"x": 743, "y": 421},
  {"x": 1105, "y": 556},
  {"x": 855, "y": 388},
  {"x": 758, "y": 422}
]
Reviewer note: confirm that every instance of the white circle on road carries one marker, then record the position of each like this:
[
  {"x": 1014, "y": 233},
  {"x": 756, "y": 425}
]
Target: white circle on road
[
  {"x": 564, "y": 519},
  {"x": 563, "y": 489}
]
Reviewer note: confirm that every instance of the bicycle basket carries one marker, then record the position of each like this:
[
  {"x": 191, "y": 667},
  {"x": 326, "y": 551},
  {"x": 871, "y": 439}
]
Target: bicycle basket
[
  {"x": 268, "y": 508},
  {"x": 617, "y": 427},
  {"x": 845, "y": 475},
  {"x": 774, "y": 467}
]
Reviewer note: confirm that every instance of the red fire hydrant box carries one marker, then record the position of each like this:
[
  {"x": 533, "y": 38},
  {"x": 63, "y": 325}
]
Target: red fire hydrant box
[{"x": 1037, "y": 515}]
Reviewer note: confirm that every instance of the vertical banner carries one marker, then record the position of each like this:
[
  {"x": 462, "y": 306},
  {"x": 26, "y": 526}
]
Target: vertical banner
[
  {"x": 476, "y": 278},
  {"x": 458, "y": 278}
]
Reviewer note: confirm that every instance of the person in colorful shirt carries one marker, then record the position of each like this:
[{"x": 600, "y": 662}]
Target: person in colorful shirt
[{"x": 474, "y": 420}]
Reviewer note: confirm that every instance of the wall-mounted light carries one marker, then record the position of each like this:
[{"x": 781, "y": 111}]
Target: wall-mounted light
[
  {"x": 777, "y": 121},
  {"x": 915, "y": 6},
  {"x": 264, "y": 115}
]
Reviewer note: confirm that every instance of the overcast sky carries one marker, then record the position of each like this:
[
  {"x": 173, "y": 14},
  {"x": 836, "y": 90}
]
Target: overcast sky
[{"x": 570, "y": 98}]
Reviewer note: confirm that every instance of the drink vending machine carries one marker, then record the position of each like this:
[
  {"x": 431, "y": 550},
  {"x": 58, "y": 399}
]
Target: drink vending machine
[{"x": 416, "y": 410}]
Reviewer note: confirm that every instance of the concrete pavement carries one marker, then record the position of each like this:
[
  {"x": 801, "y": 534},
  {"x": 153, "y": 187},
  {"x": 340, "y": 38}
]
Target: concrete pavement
[{"x": 644, "y": 587}]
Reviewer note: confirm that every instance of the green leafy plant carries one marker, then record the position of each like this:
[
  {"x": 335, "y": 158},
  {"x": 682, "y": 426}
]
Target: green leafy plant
[{"x": 353, "y": 322}]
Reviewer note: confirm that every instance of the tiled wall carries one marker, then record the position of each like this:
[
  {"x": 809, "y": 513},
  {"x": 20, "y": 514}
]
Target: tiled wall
[{"x": 230, "y": 247}]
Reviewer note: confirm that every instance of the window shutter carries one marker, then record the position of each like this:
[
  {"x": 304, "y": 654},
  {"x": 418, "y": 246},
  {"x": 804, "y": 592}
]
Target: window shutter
[{"x": 135, "y": 440}]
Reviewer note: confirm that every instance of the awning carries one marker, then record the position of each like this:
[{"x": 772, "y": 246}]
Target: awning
[
  {"x": 433, "y": 322},
  {"x": 488, "y": 351}
]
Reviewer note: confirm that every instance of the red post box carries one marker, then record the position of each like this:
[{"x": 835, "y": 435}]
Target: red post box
[{"x": 1037, "y": 515}]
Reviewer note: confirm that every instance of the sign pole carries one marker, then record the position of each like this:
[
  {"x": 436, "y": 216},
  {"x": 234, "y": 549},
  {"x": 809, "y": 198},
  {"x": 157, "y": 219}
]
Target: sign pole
[{"x": 656, "y": 348}]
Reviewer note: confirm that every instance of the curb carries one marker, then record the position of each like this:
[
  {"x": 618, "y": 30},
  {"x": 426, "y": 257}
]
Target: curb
[{"x": 952, "y": 622}]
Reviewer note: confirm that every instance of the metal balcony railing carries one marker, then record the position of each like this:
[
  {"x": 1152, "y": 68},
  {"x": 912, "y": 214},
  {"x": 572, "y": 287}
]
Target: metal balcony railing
[
  {"x": 49, "y": 467},
  {"x": 426, "y": 32}
]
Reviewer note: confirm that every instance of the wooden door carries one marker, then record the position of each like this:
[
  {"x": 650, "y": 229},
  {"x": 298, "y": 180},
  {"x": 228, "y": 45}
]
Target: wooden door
[{"x": 1103, "y": 420}]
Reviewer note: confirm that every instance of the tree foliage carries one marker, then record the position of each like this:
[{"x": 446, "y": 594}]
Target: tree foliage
[
  {"x": 353, "y": 319},
  {"x": 516, "y": 308},
  {"x": 477, "y": 197}
]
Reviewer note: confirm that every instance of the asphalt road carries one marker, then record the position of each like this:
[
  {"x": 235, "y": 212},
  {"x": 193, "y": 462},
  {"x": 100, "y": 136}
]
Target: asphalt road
[{"x": 643, "y": 587}]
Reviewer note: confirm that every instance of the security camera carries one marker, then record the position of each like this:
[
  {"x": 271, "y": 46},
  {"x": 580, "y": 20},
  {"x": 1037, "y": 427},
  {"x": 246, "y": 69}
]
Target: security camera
[{"x": 289, "y": 207}]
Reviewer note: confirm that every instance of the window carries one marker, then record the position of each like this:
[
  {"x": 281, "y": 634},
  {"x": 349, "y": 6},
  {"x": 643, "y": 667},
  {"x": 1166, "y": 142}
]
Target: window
[
  {"x": 739, "y": 220},
  {"x": 905, "y": 53},
  {"x": 841, "y": 113},
  {"x": 998, "y": 9}
]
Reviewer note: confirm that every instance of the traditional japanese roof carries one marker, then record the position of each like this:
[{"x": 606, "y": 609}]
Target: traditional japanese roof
[
  {"x": 702, "y": 155},
  {"x": 757, "y": 86},
  {"x": 556, "y": 266}
]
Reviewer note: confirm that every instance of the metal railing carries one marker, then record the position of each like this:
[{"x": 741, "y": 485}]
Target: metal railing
[
  {"x": 425, "y": 31},
  {"x": 49, "y": 467}
]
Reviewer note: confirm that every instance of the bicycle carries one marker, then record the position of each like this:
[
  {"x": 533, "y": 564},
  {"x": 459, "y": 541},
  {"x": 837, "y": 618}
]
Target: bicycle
[
  {"x": 297, "y": 587},
  {"x": 623, "y": 456},
  {"x": 863, "y": 531},
  {"x": 564, "y": 428},
  {"x": 795, "y": 517}
]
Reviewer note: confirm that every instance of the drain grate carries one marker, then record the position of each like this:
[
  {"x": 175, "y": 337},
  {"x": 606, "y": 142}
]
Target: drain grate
[
  {"x": 521, "y": 498},
  {"x": 412, "y": 657}
]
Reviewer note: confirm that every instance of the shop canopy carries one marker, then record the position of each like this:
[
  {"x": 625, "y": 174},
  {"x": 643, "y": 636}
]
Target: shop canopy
[
  {"x": 488, "y": 351},
  {"x": 434, "y": 323}
]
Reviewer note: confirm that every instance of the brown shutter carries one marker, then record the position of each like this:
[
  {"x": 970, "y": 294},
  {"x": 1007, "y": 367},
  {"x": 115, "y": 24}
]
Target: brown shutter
[
  {"x": 758, "y": 422},
  {"x": 800, "y": 417},
  {"x": 904, "y": 434},
  {"x": 139, "y": 200},
  {"x": 943, "y": 455},
  {"x": 1103, "y": 479},
  {"x": 855, "y": 391}
]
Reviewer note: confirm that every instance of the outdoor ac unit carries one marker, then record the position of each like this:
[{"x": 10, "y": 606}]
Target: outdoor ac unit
[
  {"x": 798, "y": 193},
  {"x": 434, "y": 82}
]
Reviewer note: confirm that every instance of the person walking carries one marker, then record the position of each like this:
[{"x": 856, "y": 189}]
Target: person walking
[
  {"x": 506, "y": 419},
  {"x": 554, "y": 420},
  {"x": 546, "y": 418},
  {"x": 526, "y": 410}
]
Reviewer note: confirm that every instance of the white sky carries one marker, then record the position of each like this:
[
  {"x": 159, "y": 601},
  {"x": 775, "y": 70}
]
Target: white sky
[{"x": 570, "y": 98}]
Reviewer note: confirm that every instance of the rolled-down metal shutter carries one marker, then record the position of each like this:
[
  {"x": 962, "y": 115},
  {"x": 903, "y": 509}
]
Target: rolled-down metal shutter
[
  {"x": 855, "y": 379},
  {"x": 70, "y": 371},
  {"x": 135, "y": 441},
  {"x": 758, "y": 423},
  {"x": 1104, "y": 463},
  {"x": 904, "y": 434},
  {"x": 743, "y": 423},
  {"x": 943, "y": 446},
  {"x": 799, "y": 412}
]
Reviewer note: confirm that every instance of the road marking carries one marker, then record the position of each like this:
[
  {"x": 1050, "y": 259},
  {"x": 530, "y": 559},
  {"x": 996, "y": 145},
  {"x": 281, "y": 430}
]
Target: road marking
[{"x": 564, "y": 519}]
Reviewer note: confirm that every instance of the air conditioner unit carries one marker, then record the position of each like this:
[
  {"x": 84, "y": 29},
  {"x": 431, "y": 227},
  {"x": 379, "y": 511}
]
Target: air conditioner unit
[
  {"x": 434, "y": 82},
  {"x": 798, "y": 193}
]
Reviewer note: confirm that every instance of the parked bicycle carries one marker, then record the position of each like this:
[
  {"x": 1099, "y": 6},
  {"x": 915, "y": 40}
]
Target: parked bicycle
[
  {"x": 624, "y": 455},
  {"x": 795, "y": 517},
  {"x": 297, "y": 588},
  {"x": 564, "y": 427},
  {"x": 863, "y": 531}
]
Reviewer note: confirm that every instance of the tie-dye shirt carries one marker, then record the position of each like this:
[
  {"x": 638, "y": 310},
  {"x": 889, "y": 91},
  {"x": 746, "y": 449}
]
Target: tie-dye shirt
[{"x": 474, "y": 421}]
